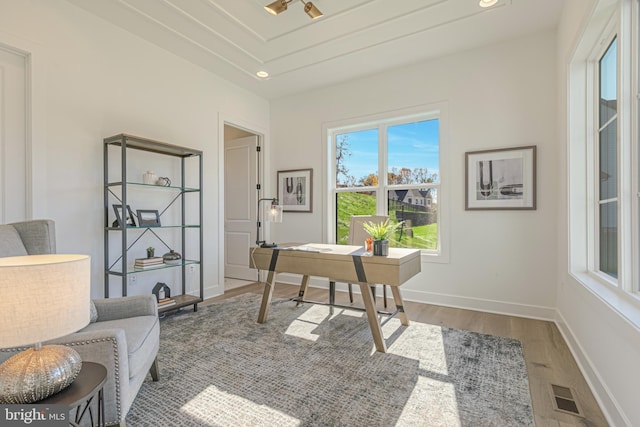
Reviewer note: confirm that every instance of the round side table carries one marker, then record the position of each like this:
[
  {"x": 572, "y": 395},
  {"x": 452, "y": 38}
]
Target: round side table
[{"x": 81, "y": 393}]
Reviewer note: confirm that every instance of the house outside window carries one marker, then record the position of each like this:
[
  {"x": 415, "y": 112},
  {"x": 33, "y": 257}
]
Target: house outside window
[{"x": 389, "y": 166}]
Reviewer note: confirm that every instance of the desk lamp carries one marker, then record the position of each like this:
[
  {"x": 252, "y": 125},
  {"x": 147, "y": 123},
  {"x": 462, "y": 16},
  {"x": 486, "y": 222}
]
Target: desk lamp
[
  {"x": 42, "y": 297},
  {"x": 274, "y": 215}
]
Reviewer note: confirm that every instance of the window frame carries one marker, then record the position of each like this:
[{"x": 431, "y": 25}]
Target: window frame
[
  {"x": 381, "y": 122},
  {"x": 610, "y": 17}
]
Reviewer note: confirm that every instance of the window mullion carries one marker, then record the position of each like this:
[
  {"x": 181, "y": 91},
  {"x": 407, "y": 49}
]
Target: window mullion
[{"x": 383, "y": 167}]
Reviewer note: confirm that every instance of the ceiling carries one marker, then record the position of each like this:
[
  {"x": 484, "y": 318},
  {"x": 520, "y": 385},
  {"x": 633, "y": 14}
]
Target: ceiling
[{"x": 236, "y": 38}]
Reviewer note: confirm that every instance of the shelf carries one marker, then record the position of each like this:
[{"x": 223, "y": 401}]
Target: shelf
[
  {"x": 152, "y": 146},
  {"x": 155, "y": 186},
  {"x": 119, "y": 258},
  {"x": 133, "y": 270},
  {"x": 181, "y": 301},
  {"x": 153, "y": 227}
]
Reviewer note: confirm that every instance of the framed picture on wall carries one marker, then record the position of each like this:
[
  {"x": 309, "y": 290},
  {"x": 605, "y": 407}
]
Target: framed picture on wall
[
  {"x": 295, "y": 190},
  {"x": 501, "y": 179}
]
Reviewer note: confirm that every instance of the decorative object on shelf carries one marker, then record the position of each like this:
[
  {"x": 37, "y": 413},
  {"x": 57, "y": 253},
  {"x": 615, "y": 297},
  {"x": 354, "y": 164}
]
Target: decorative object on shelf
[
  {"x": 501, "y": 179},
  {"x": 149, "y": 262},
  {"x": 295, "y": 190},
  {"x": 53, "y": 293},
  {"x": 130, "y": 221},
  {"x": 161, "y": 291},
  {"x": 380, "y": 233},
  {"x": 164, "y": 181},
  {"x": 274, "y": 215},
  {"x": 149, "y": 178},
  {"x": 148, "y": 218},
  {"x": 150, "y": 251},
  {"x": 172, "y": 257}
]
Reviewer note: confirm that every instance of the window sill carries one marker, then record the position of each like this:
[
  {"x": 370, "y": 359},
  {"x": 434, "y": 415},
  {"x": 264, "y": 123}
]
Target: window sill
[{"x": 625, "y": 304}]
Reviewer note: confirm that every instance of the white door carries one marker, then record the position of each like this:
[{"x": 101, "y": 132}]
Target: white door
[
  {"x": 13, "y": 142},
  {"x": 240, "y": 199}
]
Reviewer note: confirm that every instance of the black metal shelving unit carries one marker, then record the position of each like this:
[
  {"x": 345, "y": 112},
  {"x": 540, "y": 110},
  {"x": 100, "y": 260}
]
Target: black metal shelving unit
[{"x": 131, "y": 235}]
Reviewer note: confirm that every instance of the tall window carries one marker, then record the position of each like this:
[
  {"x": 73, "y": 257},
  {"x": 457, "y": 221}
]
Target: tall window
[
  {"x": 390, "y": 167},
  {"x": 608, "y": 161}
]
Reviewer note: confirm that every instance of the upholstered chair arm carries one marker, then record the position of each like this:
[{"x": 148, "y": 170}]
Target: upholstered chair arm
[
  {"x": 107, "y": 347},
  {"x": 38, "y": 236},
  {"x": 125, "y": 307}
]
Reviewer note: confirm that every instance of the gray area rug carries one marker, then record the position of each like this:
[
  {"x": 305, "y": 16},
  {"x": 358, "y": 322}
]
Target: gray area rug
[{"x": 316, "y": 366}]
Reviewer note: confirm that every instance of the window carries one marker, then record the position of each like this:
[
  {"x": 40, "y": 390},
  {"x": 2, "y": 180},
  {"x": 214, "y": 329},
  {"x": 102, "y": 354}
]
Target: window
[
  {"x": 604, "y": 155},
  {"x": 607, "y": 154},
  {"x": 389, "y": 166}
]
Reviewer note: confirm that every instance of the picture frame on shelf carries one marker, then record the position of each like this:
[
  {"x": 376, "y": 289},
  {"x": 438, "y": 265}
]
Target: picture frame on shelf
[
  {"x": 148, "y": 218},
  {"x": 295, "y": 190},
  {"x": 130, "y": 218},
  {"x": 501, "y": 179}
]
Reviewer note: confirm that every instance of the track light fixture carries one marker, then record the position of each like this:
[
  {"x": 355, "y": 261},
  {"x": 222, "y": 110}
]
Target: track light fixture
[{"x": 280, "y": 6}]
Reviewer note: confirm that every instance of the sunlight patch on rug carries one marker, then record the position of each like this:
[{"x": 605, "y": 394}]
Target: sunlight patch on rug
[{"x": 247, "y": 412}]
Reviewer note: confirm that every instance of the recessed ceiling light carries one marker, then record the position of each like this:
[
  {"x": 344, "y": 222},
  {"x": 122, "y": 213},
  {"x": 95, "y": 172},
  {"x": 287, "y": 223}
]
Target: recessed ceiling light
[
  {"x": 487, "y": 3},
  {"x": 262, "y": 74}
]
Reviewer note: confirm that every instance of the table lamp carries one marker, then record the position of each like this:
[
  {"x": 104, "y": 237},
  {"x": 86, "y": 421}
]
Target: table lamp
[
  {"x": 42, "y": 297},
  {"x": 274, "y": 215}
]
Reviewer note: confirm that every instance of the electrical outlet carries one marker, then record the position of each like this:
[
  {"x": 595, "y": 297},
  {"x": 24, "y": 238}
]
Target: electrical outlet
[{"x": 133, "y": 279}]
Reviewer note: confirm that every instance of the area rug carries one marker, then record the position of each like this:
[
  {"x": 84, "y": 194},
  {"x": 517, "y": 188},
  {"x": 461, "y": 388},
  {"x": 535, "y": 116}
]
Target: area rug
[{"x": 317, "y": 366}]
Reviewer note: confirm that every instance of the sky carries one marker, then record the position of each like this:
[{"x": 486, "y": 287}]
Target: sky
[{"x": 411, "y": 145}]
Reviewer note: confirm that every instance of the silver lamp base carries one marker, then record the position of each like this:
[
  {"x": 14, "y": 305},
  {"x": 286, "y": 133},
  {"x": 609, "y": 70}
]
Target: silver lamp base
[{"x": 37, "y": 373}]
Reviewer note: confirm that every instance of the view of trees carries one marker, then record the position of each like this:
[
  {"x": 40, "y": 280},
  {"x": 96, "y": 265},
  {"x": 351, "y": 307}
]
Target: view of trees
[
  {"x": 423, "y": 236},
  {"x": 395, "y": 177}
]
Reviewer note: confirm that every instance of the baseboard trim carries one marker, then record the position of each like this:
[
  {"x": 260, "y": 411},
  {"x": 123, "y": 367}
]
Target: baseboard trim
[
  {"x": 454, "y": 301},
  {"x": 609, "y": 406}
]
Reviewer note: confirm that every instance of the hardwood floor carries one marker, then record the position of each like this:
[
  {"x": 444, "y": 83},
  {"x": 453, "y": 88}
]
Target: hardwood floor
[{"x": 547, "y": 356}]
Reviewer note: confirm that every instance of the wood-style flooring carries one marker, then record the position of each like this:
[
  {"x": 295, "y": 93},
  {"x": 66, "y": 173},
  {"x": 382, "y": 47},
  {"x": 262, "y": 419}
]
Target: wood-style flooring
[{"x": 547, "y": 356}]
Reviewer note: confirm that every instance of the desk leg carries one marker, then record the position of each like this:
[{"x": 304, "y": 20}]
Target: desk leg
[
  {"x": 372, "y": 315},
  {"x": 395, "y": 290},
  {"x": 303, "y": 289},
  {"x": 266, "y": 297}
]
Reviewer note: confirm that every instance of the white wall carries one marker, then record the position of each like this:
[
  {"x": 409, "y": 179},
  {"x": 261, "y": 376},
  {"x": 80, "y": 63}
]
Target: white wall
[
  {"x": 498, "y": 96},
  {"x": 604, "y": 343},
  {"x": 94, "y": 80}
]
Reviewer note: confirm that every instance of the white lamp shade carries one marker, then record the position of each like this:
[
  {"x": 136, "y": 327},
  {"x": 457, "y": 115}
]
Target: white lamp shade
[{"x": 43, "y": 297}]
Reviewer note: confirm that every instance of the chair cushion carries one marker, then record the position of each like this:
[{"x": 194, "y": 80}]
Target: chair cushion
[
  {"x": 10, "y": 242},
  {"x": 141, "y": 337}
]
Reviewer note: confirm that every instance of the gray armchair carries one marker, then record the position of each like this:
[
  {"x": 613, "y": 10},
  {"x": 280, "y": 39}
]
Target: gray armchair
[{"x": 124, "y": 338}]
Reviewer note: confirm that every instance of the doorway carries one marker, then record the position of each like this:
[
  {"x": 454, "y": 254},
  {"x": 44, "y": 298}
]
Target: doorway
[{"x": 242, "y": 160}]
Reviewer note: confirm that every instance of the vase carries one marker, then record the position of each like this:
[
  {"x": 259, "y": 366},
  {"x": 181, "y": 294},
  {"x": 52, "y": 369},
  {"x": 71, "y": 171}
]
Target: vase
[
  {"x": 149, "y": 178},
  {"x": 381, "y": 247},
  {"x": 172, "y": 257}
]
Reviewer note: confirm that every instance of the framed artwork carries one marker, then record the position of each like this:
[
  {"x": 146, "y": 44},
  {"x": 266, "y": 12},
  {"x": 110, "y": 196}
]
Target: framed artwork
[
  {"x": 148, "y": 218},
  {"x": 501, "y": 179},
  {"x": 295, "y": 190},
  {"x": 130, "y": 218}
]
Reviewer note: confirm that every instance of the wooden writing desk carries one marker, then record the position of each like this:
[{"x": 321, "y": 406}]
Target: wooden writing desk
[{"x": 339, "y": 263}]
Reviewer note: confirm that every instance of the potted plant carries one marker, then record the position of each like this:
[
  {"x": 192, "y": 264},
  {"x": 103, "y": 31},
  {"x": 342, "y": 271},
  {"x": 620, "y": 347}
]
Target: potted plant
[
  {"x": 150, "y": 251},
  {"x": 380, "y": 233}
]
